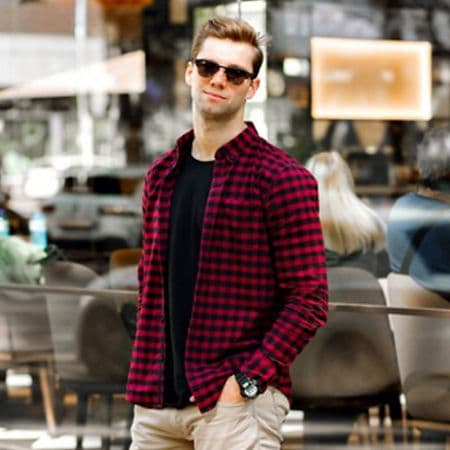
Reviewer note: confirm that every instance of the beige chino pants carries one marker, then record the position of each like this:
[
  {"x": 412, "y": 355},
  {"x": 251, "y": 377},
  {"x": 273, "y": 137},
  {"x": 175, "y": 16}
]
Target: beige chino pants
[{"x": 253, "y": 425}]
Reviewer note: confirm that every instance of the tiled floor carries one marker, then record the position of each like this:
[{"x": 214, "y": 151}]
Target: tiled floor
[{"x": 22, "y": 426}]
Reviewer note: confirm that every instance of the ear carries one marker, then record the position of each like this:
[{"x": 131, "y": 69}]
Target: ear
[
  {"x": 188, "y": 73},
  {"x": 252, "y": 88}
]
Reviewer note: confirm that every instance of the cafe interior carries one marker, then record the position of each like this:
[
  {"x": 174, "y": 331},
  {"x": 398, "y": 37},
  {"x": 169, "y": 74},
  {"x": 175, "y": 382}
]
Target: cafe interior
[{"x": 92, "y": 91}]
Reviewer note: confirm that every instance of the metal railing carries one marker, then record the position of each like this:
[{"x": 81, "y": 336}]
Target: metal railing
[{"x": 132, "y": 295}]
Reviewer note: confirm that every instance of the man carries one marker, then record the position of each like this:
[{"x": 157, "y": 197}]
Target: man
[{"x": 232, "y": 275}]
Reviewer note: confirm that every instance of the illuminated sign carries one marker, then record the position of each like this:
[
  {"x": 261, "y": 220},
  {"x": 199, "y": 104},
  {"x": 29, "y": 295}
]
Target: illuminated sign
[{"x": 370, "y": 79}]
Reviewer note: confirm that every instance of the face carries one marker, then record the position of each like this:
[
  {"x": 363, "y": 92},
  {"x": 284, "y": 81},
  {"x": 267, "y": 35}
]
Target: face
[{"x": 215, "y": 97}]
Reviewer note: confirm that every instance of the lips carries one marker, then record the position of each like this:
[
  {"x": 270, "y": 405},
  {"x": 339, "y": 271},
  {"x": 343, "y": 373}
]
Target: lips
[{"x": 214, "y": 95}]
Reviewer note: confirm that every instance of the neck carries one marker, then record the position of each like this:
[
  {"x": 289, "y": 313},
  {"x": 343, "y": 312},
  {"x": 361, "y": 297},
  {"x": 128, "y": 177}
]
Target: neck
[{"x": 210, "y": 135}]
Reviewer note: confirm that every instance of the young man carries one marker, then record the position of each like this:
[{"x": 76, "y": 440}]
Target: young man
[{"x": 232, "y": 275}]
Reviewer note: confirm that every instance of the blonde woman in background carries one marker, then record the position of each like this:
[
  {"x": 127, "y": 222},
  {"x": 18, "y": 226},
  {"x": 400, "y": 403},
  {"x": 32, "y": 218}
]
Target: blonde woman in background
[{"x": 354, "y": 234}]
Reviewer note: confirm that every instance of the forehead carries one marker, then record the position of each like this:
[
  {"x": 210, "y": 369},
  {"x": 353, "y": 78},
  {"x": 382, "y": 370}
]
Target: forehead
[{"x": 227, "y": 52}]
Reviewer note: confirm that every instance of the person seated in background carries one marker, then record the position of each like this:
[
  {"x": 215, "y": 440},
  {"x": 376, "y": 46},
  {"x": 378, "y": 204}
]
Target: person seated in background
[
  {"x": 418, "y": 230},
  {"x": 354, "y": 234}
]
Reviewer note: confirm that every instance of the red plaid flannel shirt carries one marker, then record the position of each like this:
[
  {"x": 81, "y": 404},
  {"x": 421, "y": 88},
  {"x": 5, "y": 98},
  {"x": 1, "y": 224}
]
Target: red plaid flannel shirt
[{"x": 261, "y": 290}]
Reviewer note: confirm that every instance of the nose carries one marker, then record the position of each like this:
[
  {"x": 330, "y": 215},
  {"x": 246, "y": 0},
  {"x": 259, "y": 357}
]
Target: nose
[{"x": 219, "y": 76}]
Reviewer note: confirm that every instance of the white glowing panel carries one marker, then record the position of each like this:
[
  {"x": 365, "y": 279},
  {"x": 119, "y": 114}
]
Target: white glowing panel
[
  {"x": 31, "y": 56},
  {"x": 122, "y": 74},
  {"x": 370, "y": 79}
]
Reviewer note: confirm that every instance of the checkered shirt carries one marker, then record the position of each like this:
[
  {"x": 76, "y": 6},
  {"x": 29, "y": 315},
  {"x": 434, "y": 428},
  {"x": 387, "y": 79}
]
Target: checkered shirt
[{"x": 261, "y": 289}]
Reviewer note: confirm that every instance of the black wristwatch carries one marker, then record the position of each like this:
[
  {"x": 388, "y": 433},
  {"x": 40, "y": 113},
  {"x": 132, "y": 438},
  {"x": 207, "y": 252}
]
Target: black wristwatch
[{"x": 249, "y": 386}]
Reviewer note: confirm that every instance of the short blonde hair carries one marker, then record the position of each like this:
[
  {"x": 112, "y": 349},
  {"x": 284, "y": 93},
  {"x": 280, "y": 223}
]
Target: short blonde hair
[
  {"x": 236, "y": 30},
  {"x": 348, "y": 224}
]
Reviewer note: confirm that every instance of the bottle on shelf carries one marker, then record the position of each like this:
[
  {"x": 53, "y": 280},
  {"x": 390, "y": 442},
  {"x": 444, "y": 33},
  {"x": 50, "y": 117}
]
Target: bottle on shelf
[
  {"x": 38, "y": 229},
  {"x": 4, "y": 224}
]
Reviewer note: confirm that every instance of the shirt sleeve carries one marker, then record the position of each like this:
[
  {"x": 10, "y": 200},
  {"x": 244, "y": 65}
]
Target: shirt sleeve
[
  {"x": 144, "y": 204},
  {"x": 299, "y": 260}
]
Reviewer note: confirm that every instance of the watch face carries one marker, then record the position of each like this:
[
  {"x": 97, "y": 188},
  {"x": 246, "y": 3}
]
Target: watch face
[
  {"x": 251, "y": 391},
  {"x": 249, "y": 387}
]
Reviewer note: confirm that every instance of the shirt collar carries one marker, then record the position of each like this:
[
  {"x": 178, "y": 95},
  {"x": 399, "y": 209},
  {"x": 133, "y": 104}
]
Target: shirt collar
[{"x": 230, "y": 152}]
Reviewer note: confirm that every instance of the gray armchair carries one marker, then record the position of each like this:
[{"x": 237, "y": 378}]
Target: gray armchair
[
  {"x": 423, "y": 350},
  {"x": 351, "y": 362}
]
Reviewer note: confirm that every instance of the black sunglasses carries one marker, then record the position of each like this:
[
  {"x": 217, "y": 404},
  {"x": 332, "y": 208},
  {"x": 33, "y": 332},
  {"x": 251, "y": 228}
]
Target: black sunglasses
[{"x": 207, "y": 68}]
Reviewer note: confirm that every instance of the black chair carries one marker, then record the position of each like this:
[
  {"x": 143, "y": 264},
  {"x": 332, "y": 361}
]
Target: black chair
[
  {"x": 108, "y": 244},
  {"x": 351, "y": 364},
  {"x": 104, "y": 184},
  {"x": 91, "y": 345}
]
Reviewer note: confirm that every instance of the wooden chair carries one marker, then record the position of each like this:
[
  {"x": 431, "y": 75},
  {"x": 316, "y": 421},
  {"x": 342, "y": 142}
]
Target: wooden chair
[
  {"x": 124, "y": 257},
  {"x": 25, "y": 342}
]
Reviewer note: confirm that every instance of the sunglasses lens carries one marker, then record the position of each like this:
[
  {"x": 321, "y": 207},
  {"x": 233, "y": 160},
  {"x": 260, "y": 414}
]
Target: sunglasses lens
[
  {"x": 236, "y": 76},
  {"x": 206, "y": 68}
]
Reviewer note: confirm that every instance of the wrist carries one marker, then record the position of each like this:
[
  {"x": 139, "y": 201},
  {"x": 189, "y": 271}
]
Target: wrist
[{"x": 249, "y": 387}]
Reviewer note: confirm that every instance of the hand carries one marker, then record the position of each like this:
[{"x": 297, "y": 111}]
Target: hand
[{"x": 231, "y": 392}]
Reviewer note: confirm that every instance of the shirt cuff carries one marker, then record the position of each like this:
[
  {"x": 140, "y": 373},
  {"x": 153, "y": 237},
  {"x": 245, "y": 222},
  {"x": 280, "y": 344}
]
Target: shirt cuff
[{"x": 261, "y": 368}]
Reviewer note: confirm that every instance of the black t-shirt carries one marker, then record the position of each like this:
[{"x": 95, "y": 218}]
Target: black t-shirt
[{"x": 186, "y": 219}]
